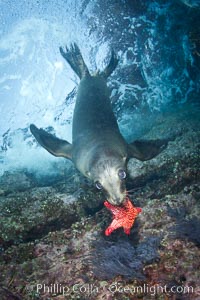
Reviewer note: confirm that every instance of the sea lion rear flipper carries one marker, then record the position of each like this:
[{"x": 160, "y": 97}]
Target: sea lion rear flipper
[
  {"x": 145, "y": 150},
  {"x": 51, "y": 143},
  {"x": 111, "y": 66},
  {"x": 74, "y": 58}
]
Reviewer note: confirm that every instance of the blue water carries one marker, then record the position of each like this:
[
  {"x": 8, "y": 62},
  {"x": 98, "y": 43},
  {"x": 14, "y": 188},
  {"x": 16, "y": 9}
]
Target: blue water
[{"x": 158, "y": 43}]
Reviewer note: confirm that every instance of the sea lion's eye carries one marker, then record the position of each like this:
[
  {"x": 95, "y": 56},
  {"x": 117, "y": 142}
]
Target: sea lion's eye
[
  {"x": 98, "y": 185},
  {"x": 121, "y": 174}
]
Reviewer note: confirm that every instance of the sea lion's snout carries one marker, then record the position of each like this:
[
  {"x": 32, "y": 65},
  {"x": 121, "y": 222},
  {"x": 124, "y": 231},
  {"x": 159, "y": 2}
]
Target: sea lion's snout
[
  {"x": 112, "y": 182},
  {"x": 116, "y": 201},
  {"x": 118, "y": 197},
  {"x": 115, "y": 191}
]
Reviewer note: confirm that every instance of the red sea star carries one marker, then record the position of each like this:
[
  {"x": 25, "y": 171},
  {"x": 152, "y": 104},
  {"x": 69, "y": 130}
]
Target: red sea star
[{"x": 123, "y": 216}]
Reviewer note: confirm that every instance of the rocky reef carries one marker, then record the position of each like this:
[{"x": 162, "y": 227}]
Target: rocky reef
[{"x": 52, "y": 239}]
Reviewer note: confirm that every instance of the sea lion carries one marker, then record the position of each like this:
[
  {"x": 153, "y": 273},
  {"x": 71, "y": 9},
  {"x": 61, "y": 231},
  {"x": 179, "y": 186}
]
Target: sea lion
[{"x": 98, "y": 149}]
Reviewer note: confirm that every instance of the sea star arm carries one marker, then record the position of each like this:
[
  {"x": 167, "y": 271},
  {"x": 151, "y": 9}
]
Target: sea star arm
[{"x": 123, "y": 216}]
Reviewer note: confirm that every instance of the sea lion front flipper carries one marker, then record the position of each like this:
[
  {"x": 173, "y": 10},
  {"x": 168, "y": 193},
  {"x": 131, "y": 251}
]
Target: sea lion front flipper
[
  {"x": 145, "y": 150},
  {"x": 51, "y": 143}
]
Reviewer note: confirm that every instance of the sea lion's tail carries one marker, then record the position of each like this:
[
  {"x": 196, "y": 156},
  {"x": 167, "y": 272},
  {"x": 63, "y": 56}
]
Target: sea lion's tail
[
  {"x": 74, "y": 58},
  {"x": 111, "y": 66}
]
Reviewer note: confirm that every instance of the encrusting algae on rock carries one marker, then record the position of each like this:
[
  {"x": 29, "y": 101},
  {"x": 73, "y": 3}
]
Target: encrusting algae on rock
[{"x": 123, "y": 216}]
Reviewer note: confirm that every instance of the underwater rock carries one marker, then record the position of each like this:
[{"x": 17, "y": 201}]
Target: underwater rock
[
  {"x": 179, "y": 162},
  {"x": 121, "y": 257},
  {"x": 14, "y": 182},
  {"x": 29, "y": 215},
  {"x": 55, "y": 234},
  {"x": 5, "y": 294},
  {"x": 83, "y": 255}
]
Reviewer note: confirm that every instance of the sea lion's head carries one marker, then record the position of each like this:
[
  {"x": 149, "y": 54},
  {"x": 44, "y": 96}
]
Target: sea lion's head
[{"x": 109, "y": 175}]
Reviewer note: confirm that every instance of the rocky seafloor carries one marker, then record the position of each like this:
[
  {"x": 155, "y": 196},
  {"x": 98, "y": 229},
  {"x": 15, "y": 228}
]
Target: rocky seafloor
[{"x": 52, "y": 238}]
